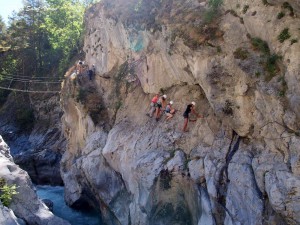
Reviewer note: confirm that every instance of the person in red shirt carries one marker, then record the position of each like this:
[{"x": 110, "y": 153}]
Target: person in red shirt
[{"x": 153, "y": 105}]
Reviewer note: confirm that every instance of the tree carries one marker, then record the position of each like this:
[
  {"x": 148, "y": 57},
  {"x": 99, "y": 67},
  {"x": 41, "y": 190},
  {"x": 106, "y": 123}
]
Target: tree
[
  {"x": 2, "y": 26},
  {"x": 64, "y": 24},
  {"x": 42, "y": 37},
  {"x": 27, "y": 38}
]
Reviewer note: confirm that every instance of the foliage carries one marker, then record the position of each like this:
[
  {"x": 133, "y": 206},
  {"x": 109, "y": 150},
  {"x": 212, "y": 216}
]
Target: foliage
[
  {"x": 286, "y": 5},
  {"x": 212, "y": 12},
  {"x": 81, "y": 95},
  {"x": 2, "y": 34},
  {"x": 6, "y": 192},
  {"x": 64, "y": 25},
  {"x": 283, "y": 88},
  {"x": 280, "y": 15},
  {"x": 271, "y": 66},
  {"x": 260, "y": 45},
  {"x": 27, "y": 41},
  {"x": 269, "y": 61},
  {"x": 123, "y": 70},
  {"x": 227, "y": 109},
  {"x": 118, "y": 105},
  {"x": 241, "y": 53},
  {"x": 284, "y": 35},
  {"x": 245, "y": 9},
  {"x": 42, "y": 37},
  {"x": 293, "y": 41},
  {"x": 265, "y": 2}
]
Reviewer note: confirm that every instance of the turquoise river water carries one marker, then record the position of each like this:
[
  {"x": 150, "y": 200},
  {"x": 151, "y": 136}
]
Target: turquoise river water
[{"x": 60, "y": 209}]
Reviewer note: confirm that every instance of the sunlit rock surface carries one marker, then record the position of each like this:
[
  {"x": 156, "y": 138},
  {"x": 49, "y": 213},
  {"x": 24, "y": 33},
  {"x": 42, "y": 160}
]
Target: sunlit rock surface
[{"x": 237, "y": 165}]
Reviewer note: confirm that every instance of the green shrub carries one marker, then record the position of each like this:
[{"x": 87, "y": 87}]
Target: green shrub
[
  {"x": 280, "y": 15},
  {"x": 286, "y": 5},
  {"x": 241, "y": 53},
  {"x": 265, "y": 2},
  {"x": 257, "y": 74},
  {"x": 246, "y": 7},
  {"x": 283, "y": 88},
  {"x": 293, "y": 41},
  {"x": 212, "y": 12},
  {"x": 6, "y": 192},
  {"x": 281, "y": 93},
  {"x": 271, "y": 66},
  {"x": 267, "y": 60},
  {"x": 227, "y": 109},
  {"x": 260, "y": 45},
  {"x": 284, "y": 35},
  {"x": 118, "y": 105},
  {"x": 81, "y": 95}
]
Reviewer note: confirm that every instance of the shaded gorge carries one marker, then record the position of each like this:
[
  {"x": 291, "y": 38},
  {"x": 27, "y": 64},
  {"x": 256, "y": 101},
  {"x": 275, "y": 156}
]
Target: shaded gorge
[{"x": 60, "y": 209}]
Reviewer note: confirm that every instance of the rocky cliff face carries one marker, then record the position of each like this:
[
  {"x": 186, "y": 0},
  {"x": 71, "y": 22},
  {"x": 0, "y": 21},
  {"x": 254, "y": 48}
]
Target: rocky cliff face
[
  {"x": 31, "y": 126},
  {"x": 238, "y": 165},
  {"x": 26, "y": 207}
]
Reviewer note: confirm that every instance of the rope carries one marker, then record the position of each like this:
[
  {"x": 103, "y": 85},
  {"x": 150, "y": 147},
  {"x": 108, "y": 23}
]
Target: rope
[
  {"x": 27, "y": 80},
  {"x": 30, "y": 91},
  {"x": 22, "y": 76}
]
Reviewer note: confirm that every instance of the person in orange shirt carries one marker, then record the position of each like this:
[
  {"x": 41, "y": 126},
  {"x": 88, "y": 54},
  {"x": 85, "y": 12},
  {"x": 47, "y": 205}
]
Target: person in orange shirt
[{"x": 152, "y": 106}]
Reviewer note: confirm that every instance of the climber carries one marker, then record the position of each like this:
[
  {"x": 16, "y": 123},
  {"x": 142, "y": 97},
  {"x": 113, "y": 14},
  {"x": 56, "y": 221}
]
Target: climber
[
  {"x": 79, "y": 67},
  {"x": 152, "y": 105},
  {"x": 160, "y": 106},
  {"x": 170, "y": 111},
  {"x": 190, "y": 108},
  {"x": 90, "y": 73},
  {"x": 94, "y": 69}
]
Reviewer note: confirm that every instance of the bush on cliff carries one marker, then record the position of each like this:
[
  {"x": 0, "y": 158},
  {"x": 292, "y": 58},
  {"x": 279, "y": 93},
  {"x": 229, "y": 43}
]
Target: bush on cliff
[{"x": 6, "y": 192}]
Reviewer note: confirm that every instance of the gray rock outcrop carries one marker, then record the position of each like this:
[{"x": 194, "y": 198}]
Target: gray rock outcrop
[
  {"x": 34, "y": 134},
  {"x": 7, "y": 217},
  {"x": 237, "y": 165},
  {"x": 25, "y": 205}
]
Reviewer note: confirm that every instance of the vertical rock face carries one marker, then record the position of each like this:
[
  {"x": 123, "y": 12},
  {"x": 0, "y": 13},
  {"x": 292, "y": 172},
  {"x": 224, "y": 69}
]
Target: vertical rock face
[
  {"x": 31, "y": 126},
  {"x": 7, "y": 216},
  {"x": 237, "y": 165},
  {"x": 25, "y": 204}
]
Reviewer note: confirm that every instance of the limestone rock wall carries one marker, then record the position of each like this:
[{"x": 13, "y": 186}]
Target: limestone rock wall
[
  {"x": 31, "y": 125},
  {"x": 237, "y": 165},
  {"x": 25, "y": 205}
]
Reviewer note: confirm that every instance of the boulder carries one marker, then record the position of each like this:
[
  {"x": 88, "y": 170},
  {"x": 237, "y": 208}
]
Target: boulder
[{"x": 26, "y": 204}]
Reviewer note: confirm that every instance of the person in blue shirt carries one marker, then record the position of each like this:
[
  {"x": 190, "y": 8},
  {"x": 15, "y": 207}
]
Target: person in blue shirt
[{"x": 170, "y": 111}]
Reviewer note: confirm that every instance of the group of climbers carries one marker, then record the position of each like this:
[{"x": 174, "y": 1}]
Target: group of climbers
[
  {"x": 159, "y": 105},
  {"x": 81, "y": 68}
]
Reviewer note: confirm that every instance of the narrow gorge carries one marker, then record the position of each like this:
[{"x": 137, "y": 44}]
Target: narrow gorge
[{"x": 239, "y": 61}]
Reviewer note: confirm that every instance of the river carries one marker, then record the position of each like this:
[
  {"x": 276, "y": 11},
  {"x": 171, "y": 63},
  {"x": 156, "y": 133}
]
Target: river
[{"x": 60, "y": 209}]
